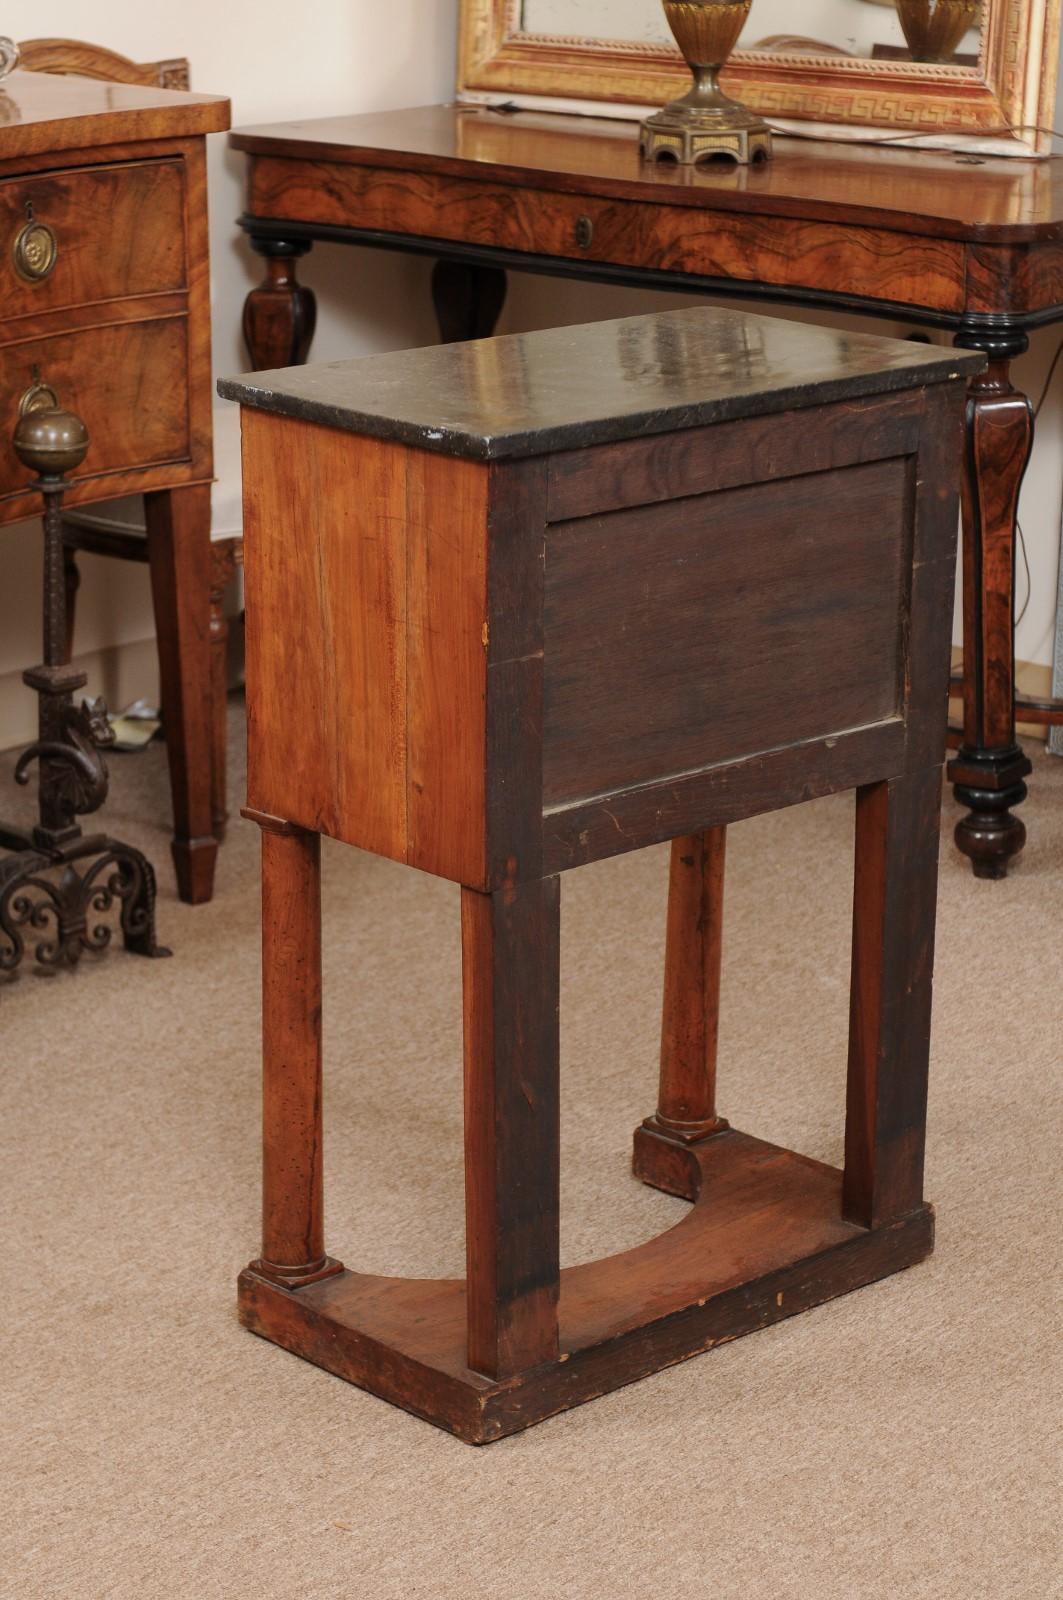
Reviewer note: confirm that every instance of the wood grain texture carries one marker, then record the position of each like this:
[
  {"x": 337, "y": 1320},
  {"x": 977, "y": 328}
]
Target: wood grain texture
[
  {"x": 383, "y": 682},
  {"x": 611, "y": 824},
  {"x": 686, "y": 1104},
  {"x": 720, "y": 1273},
  {"x": 178, "y": 536},
  {"x": 784, "y": 251},
  {"x": 990, "y": 767},
  {"x": 280, "y": 314},
  {"x": 700, "y": 630},
  {"x": 755, "y": 450},
  {"x": 94, "y": 61},
  {"x": 621, "y": 672},
  {"x": 897, "y": 834},
  {"x": 119, "y": 231},
  {"x": 50, "y": 114},
  {"x": 511, "y": 976},
  {"x": 137, "y": 367},
  {"x": 100, "y": 373},
  {"x": 901, "y": 190},
  {"x": 293, "y": 1240},
  {"x": 516, "y": 560}
]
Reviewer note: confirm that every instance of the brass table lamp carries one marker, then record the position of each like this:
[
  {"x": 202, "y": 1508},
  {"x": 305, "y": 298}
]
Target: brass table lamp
[{"x": 706, "y": 122}]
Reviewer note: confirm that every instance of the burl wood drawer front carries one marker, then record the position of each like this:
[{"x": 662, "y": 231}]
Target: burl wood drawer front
[
  {"x": 683, "y": 634},
  {"x": 118, "y": 230},
  {"x": 903, "y": 268},
  {"x": 113, "y": 377}
]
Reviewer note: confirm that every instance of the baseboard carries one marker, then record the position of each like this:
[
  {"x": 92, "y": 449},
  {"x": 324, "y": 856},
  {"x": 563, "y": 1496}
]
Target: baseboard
[{"x": 120, "y": 673}]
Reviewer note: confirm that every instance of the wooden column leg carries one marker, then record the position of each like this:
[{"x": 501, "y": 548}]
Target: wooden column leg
[
  {"x": 897, "y": 838},
  {"x": 510, "y": 960},
  {"x": 990, "y": 766},
  {"x": 280, "y": 314},
  {"x": 293, "y": 1241},
  {"x": 178, "y": 525},
  {"x": 686, "y": 1105},
  {"x": 468, "y": 299}
]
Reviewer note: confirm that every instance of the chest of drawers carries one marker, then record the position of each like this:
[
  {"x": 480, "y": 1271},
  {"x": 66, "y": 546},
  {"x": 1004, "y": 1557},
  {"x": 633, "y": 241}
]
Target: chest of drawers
[{"x": 105, "y": 298}]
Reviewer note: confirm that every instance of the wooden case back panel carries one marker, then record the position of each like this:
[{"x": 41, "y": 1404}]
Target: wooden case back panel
[
  {"x": 119, "y": 231},
  {"x": 706, "y": 629},
  {"x": 366, "y": 609},
  {"x": 112, "y": 376}
]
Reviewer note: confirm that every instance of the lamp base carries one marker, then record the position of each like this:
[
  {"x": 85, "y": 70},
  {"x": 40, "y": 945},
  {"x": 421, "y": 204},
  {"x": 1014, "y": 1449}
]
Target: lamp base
[{"x": 685, "y": 135}]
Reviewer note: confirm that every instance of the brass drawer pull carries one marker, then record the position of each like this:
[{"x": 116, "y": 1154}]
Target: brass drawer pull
[
  {"x": 35, "y": 248},
  {"x": 584, "y": 232},
  {"x": 38, "y": 397}
]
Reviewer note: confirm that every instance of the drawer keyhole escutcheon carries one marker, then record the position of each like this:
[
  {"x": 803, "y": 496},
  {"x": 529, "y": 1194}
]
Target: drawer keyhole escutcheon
[
  {"x": 584, "y": 232},
  {"x": 35, "y": 249}
]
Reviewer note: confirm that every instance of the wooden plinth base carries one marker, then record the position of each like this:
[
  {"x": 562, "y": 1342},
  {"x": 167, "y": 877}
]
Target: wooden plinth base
[{"x": 764, "y": 1239}]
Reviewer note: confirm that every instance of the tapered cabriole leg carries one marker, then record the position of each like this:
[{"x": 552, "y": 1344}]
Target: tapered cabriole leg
[
  {"x": 510, "y": 962},
  {"x": 293, "y": 1244},
  {"x": 990, "y": 766},
  {"x": 897, "y": 838},
  {"x": 686, "y": 1104}
]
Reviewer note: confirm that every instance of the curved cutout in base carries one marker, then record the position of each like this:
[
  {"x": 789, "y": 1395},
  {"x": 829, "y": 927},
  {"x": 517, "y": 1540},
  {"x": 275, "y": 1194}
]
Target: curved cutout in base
[{"x": 764, "y": 1239}]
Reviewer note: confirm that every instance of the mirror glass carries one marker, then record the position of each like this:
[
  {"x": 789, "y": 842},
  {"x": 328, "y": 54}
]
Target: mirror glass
[{"x": 867, "y": 29}]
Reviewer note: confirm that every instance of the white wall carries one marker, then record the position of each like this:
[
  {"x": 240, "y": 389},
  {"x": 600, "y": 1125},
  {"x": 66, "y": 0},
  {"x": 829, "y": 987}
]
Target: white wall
[{"x": 277, "y": 62}]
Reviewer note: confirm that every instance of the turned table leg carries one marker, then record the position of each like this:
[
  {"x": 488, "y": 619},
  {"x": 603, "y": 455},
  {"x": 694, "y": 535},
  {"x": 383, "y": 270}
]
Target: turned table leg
[
  {"x": 686, "y": 1104},
  {"x": 988, "y": 769},
  {"x": 468, "y": 299},
  {"x": 279, "y": 316},
  {"x": 895, "y": 891},
  {"x": 178, "y": 528},
  {"x": 511, "y": 976},
  {"x": 293, "y": 1241}
]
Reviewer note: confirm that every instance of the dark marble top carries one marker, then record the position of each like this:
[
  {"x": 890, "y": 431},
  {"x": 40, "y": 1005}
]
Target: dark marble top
[{"x": 564, "y": 388}]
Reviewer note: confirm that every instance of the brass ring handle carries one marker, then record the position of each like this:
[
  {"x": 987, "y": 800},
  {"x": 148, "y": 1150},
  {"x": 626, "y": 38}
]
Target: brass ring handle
[
  {"x": 35, "y": 249},
  {"x": 38, "y": 397}
]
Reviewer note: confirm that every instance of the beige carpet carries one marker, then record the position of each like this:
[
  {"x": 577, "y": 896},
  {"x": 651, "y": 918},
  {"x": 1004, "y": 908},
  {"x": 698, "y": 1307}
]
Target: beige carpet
[{"x": 902, "y": 1442}]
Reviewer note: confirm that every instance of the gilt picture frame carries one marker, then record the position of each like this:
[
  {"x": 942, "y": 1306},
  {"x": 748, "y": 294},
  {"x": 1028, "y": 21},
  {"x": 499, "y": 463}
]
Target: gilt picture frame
[{"x": 1005, "y": 103}]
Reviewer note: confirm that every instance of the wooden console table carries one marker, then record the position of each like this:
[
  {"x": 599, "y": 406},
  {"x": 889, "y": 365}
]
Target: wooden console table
[
  {"x": 106, "y": 300},
  {"x": 551, "y": 601},
  {"x": 950, "y": 242}
]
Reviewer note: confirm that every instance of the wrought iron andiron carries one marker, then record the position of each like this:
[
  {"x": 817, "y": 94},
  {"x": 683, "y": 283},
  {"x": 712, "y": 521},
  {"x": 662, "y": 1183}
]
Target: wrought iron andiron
[{"x": 44, "y": 899}]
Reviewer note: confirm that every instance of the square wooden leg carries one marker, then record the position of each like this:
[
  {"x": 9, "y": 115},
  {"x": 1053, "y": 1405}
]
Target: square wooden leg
[
  {"x": 768, "y": 1234},
  {"x": 178, "y": 525}
]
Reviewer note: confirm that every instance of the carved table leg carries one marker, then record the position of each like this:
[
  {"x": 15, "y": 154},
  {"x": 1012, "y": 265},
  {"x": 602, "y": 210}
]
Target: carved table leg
[
  {"x": 686, "y": 1105},
  {"x": 279, "y": 316},
  {"x": 178, "y": 526},
  {"x": 897, "y": 843},
  {"x": 468, "y": 299},
  {"x": 990, "y": 766},
  {"x": 511, "y": 977},
  {"x": 293, "y": 1243}
]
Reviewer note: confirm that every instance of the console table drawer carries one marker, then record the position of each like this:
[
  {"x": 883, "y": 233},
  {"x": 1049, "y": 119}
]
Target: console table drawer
[
  {"x": 783, "y": 251},
  {"x": 90, "y": 234},
  {"x": 108, "y": 375}
]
